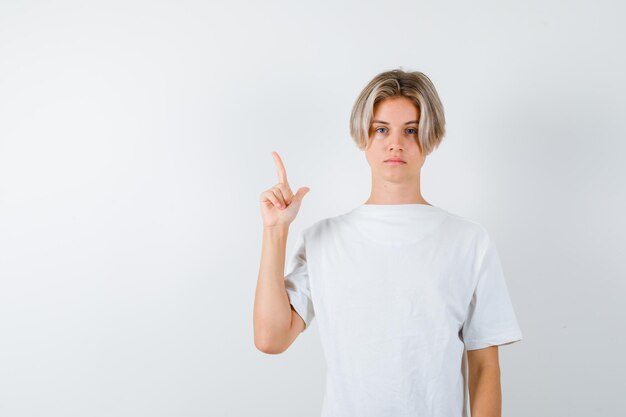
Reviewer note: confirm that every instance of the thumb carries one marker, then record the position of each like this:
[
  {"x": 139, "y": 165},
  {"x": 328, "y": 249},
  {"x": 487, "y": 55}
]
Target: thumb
[{"x": 301, "y": 193}]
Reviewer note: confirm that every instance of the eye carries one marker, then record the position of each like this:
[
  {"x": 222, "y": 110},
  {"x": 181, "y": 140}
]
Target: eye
[
  {"x": 378, "y": 128},
  {"x": 411, "y": 131}
]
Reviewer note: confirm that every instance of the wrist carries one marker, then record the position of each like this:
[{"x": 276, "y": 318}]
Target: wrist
[{"x": 276, "y": 229}]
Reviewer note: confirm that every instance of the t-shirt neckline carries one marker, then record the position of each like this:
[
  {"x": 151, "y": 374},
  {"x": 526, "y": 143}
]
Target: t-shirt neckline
[
  {"x": 395, "y": 208},
  {"x": 396, "y": 224}
]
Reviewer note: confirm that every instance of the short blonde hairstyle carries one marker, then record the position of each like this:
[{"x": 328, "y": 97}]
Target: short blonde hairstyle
[{"x": 414, "y": 85}]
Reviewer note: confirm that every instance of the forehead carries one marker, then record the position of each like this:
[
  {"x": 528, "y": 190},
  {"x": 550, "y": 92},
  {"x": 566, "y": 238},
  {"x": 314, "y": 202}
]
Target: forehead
[{"x": 395, "y": 109}]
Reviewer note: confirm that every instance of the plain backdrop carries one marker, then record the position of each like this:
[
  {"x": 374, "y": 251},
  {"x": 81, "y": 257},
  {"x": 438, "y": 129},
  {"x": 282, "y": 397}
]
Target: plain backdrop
[{"x": 136, "y": 137}]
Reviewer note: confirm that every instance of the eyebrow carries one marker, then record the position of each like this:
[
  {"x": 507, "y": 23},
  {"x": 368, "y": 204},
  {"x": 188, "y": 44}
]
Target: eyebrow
[{"x": 386, "y": 123}]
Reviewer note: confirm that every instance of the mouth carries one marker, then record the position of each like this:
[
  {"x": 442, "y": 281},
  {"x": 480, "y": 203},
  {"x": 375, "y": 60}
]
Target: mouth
[{"x": 395, "y": 162}]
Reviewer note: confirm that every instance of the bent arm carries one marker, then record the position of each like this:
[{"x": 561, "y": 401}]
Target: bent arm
[{"x": 276, "y": 324}]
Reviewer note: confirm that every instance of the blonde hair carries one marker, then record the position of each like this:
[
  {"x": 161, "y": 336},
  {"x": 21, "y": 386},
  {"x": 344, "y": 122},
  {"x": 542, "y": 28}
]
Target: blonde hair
[{"x": 414, "y": 85}]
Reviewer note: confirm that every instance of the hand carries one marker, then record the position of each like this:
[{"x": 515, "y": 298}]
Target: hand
[{"x": 279, "y": 205}]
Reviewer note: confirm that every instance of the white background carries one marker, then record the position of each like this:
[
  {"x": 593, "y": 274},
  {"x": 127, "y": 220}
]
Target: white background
[{"x": 136, "y": 137}]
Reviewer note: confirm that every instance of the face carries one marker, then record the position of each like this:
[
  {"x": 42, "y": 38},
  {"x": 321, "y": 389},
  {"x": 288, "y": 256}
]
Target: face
[{"x": 393, "y": 135}]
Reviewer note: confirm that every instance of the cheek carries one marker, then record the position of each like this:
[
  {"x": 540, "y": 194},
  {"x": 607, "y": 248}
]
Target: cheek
[
  {"x": 414, "y": 149},
  {"x": 371, "y": 157}
]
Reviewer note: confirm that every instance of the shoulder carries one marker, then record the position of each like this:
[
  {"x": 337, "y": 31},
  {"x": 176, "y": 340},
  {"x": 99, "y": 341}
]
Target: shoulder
[
  {"x": 324, "y": 227},
  {"x": 466, "y": 227},
  {"x": 321, "y": 226}
]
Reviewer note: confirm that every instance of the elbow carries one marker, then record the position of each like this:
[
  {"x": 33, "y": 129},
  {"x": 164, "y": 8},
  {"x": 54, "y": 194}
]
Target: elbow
[
  {"x": 267, "y": 343},
  {"x": 270, "y": 350},
  {"x": 267, "y": 346}
]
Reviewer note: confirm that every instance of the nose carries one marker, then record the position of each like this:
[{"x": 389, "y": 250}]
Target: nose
[{"x": 395, "y": 142}]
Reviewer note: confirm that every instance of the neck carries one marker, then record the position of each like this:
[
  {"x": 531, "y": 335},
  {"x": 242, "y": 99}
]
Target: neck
[{"x": 387, "y": 192}]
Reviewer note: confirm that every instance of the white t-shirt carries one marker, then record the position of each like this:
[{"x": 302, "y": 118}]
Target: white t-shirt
[{"x": 400, "y": 292}]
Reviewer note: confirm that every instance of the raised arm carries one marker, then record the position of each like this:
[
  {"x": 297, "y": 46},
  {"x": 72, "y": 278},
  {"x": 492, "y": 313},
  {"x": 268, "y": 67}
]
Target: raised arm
[{"x": 276, "y": 324}]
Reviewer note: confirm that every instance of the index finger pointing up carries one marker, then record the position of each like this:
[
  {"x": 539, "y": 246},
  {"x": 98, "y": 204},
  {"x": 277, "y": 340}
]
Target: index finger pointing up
[{"x": 282, "y": 174}]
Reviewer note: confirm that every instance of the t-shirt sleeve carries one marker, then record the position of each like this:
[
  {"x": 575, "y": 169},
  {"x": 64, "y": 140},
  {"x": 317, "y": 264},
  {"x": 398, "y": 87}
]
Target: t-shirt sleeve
[
  {"x": 490, "y": 319},
  {"x": 297, "y": 282}
]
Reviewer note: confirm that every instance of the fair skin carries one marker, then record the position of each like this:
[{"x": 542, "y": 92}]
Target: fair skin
[
  {"x": 393, "y": 134},
  {"x": 276, "y": 323}
]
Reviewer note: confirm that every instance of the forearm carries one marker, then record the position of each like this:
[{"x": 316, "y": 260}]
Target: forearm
[
  {"x": 272, "y": 310},
  {"x": 485, "y": 392}
]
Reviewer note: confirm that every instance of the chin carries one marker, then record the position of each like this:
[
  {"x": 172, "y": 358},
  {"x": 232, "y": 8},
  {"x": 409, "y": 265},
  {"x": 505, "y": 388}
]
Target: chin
[{"x": 394, "y": 177}]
